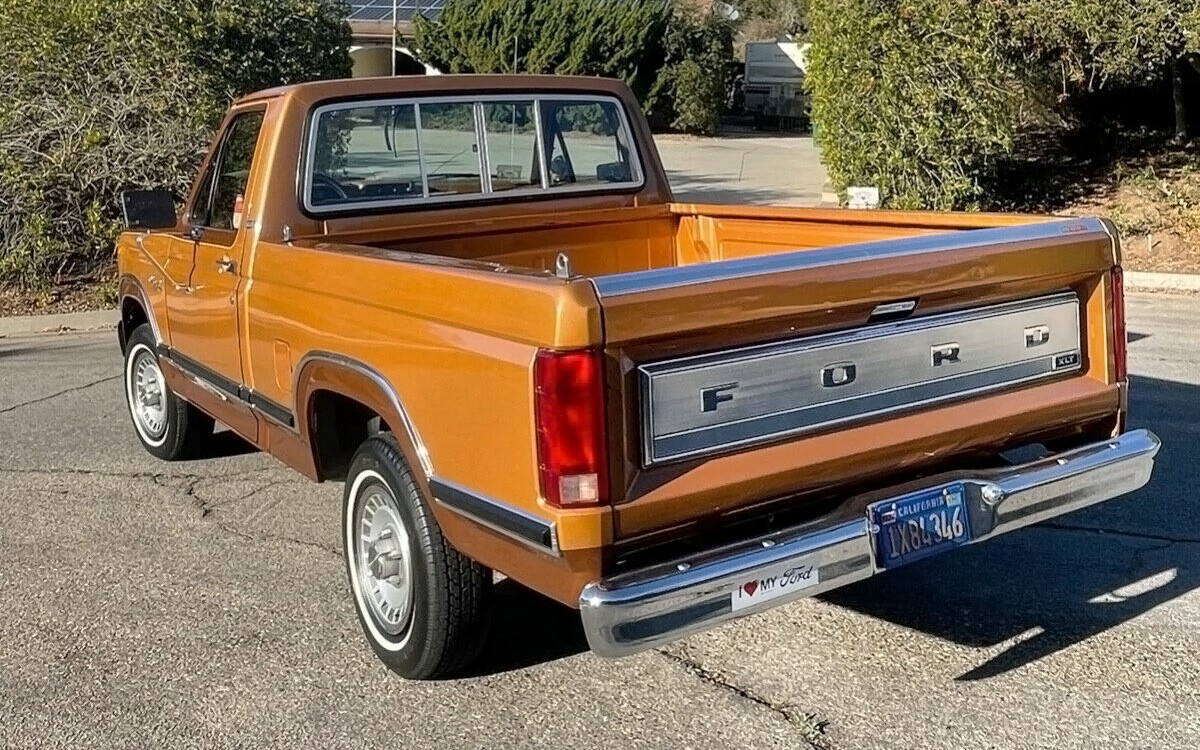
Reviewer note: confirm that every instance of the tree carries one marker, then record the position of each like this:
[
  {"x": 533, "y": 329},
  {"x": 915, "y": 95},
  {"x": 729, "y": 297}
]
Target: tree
[
  {"x": 1101, "y": 43},
  {"x": 673, "y": 55},
  {"x": 105, "y": 95},
  {"x": 691, "y": 90}
]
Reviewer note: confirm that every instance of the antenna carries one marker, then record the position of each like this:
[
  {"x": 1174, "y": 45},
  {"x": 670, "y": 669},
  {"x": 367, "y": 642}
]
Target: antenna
[{"x": 394, "y": 29}]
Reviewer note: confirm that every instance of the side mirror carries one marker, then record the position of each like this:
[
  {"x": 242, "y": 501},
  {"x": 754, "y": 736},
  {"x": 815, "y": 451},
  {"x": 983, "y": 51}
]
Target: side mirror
[
  {"x": 613, "y": 172},
  {"x": 148, "y": 209}
]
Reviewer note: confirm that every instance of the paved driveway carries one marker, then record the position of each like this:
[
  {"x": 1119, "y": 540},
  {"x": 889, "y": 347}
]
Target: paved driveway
[
  {"x": 752, "y": 168},
  {"x": 204, "y": 605}
]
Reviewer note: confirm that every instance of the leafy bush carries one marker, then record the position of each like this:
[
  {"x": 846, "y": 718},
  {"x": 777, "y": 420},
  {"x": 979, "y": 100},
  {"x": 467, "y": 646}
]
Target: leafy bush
[
  {"x": 105, "y": 95},
  {"x": 917, "y": 97}
]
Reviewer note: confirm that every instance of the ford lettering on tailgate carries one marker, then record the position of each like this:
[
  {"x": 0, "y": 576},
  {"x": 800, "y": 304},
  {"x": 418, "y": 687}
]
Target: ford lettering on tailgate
[{"x": 714, "y": 402}]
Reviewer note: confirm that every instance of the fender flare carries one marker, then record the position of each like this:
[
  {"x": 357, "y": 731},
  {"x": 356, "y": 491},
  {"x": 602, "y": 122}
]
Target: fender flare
[
  {"x": 130, "y": 288},
  {"x": 326, "y": 371}
]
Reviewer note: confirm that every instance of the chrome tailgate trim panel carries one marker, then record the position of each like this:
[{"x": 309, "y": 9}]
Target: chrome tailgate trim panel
[{"x": 705, "y": 404}]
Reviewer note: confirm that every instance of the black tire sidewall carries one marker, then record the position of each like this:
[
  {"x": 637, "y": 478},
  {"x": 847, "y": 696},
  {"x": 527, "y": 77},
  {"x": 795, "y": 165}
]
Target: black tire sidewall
[{"x": 418, "y": 652}]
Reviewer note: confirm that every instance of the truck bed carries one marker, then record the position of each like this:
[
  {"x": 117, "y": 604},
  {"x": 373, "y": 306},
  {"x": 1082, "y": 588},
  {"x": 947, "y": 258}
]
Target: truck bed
[
  {"x": 627, "y": 240},
  {"x": 707, "y": 290}
]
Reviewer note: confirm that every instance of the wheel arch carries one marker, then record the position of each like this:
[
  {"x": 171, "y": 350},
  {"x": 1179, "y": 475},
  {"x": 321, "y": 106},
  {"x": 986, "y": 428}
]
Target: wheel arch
[
  {"x": 135, "y": 310},
  {"x": 339, "y": 402}
]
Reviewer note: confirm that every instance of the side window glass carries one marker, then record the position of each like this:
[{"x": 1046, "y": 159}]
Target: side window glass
[
  {"x": 449, "y": 148},
  {"x": 233, "y": 170},
  {"x": 511, "y": 133},
  {"x": 587, "y": 144},
  {"x": 199, "y": 213},
  {"x": 365, "y": 154}
]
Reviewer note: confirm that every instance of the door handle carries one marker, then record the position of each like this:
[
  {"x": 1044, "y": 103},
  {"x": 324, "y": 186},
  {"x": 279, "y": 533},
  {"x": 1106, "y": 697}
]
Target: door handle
[{"x": 226, "y": 265}]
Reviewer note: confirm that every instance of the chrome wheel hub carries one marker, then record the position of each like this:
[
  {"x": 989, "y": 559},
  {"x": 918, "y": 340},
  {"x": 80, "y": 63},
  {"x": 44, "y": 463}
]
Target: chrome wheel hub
[
  {"x": 149, "y": 396},
  {"x": 383, "y": 554}
]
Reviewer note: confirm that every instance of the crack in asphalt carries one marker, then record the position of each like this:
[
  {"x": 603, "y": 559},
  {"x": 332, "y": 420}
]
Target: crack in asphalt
[
  {"x": 276, "y": 537},
  {"x": 809, "y": 725},
  {"x": 1120, "y": 533},
  {"x": 160, "y": 478},
  {"x": 52, "y": 396},
  {"x": 209, "y": 512},
  {"x": 191, "y": 483},
  {"x": 157, "y": 477}
]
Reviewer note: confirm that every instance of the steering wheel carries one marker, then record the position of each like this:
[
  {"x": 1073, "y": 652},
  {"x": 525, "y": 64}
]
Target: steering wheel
[{"x": 330, "y": 184}]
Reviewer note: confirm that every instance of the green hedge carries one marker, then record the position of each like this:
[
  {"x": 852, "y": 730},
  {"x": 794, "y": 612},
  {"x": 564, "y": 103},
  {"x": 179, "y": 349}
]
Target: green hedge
[
  {"x": 673, "y": 57},
  {"x": 917, "y": 97},
  {"x": 105, "y": 95},
  {"x": 566, "y": 37}
]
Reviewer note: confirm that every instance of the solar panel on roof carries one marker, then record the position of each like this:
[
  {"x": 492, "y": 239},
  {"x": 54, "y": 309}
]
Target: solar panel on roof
[{"x": 405, "y": 10}]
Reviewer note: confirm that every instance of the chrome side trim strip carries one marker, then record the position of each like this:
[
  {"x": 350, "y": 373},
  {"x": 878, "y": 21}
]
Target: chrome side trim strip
[
  {"x": 271, "y": 410},
  {"x": 227, "y": 389},
  {"x": 375, "y": 376},
  {"x": 201, "y": 375},
  {"x": 635, "y": 282},
  {"x": 500, "y": 517},
  {"x": 648, "y": 608}
]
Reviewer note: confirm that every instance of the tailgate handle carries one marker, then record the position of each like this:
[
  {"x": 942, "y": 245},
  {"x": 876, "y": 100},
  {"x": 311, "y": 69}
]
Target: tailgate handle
[{"x": 839, "y": 373}]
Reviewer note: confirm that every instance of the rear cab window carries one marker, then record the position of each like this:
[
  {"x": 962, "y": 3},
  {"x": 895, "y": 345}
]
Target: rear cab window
[{"x": 398, "y": 152}]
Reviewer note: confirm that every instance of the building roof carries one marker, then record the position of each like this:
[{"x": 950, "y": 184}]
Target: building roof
[{"x": 374, "y": 18}]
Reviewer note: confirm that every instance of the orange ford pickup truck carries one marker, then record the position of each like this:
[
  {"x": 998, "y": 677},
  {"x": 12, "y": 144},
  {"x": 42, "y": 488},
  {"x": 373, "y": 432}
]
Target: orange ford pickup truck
[{"x": 473, "y": 300}]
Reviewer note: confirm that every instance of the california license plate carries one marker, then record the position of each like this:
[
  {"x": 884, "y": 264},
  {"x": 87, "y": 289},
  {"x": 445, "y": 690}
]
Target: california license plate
[{"x": 919, "y": 525}]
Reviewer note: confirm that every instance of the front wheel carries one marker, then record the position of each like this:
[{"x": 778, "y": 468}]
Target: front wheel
[
  {"x": 167, "y": 426},
  {"x": 421, "y": 603}
]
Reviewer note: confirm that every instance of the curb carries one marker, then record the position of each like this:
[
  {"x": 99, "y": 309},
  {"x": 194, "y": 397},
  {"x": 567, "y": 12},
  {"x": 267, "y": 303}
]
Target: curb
[
  {"x": 1162, "y": 282},
  {"x": 829, "y": 196},
  {"x": 28, "y": 325}
]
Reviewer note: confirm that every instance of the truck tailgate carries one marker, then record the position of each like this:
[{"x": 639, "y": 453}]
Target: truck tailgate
[{"x": 773, "y": 357}]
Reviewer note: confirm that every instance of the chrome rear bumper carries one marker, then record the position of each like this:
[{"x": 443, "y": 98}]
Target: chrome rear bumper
[{"x": 646, "y": 608}]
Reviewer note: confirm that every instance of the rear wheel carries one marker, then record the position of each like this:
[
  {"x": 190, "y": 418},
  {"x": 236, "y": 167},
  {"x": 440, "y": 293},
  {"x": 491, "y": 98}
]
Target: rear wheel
[
  {"x": 421, "y": 603},
  {"x": 168, "y": 427}
]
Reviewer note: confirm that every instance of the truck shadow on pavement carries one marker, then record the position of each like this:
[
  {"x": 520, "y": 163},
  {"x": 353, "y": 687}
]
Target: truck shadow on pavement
[
  {"x": 224, "y": 444},
  {"x": 528, "y": 629},
  {"x": 1049, "y": 587}
]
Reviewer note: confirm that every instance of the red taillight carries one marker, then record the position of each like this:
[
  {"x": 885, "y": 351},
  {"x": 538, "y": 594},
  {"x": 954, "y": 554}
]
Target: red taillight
[
  {"x": 1120, "y": 338},
  {"x": 569, "y": 409}
]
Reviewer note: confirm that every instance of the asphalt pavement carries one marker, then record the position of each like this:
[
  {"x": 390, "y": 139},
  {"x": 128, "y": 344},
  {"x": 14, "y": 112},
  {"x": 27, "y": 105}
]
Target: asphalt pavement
[
  {"x": 203, "y": 604},
  {"x": 751, "y": 168}
]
